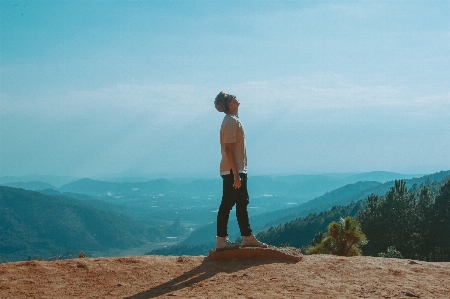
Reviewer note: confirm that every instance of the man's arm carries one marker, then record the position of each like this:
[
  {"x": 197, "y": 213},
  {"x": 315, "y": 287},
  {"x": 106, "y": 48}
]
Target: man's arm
[{"x": 230, "y": 157}]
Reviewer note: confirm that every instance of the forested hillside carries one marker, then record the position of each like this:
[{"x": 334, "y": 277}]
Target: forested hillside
[
  {"x": 343, "y": 196},
  {"x": 300, "y": 232},
  {"x": 416, "y": 222},
  {"x": 340, "y": 197},
  {"x": 194, "y": 201},
  {"x": 48, "y": 223},
  {"x": 409, "y": 223},
  {"x": 266, "y": 220},
  {"x": 296, "y": 233},
  {"x": 31, "y": 185},
  {"x": 39, "y": 225}
]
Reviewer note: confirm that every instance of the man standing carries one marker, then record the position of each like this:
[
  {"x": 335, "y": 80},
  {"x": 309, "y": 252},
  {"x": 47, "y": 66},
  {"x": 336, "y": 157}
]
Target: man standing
[{"x": 233, "y": 169}]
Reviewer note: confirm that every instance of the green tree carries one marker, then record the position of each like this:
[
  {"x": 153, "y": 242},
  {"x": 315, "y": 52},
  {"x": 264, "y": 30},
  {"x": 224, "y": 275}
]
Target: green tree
[
  {"x": 300, "y": 232},
  {"x": 441, "y": 226},
  {"x": 424, "y": 235},
  {"x": 390, "y": 221},
  {"x": 374, "y": 225},
  {"x": 344, "y": 238},
  {"x": 318, "y": 238},
  {"x": 400, "y": 212},
  {"x": 416, "y": 222}
]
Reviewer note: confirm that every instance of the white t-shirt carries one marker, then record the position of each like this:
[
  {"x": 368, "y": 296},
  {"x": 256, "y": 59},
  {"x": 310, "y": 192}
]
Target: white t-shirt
[{"x": 232, "y": 131}]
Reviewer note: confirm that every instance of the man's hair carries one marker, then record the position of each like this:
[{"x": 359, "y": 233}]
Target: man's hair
[{"x": 222, "y": 100}]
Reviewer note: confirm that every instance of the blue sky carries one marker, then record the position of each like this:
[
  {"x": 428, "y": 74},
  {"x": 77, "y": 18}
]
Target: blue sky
[{"x": 95, "y": 88}]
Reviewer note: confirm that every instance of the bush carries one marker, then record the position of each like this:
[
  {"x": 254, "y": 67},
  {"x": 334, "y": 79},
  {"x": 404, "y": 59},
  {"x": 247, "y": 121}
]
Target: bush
[
  {"x": 391, "y": 252},
  {"x": 343, "y": 238}
]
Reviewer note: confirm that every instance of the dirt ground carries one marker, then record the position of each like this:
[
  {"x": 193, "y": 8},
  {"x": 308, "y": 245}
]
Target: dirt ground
[{"x": 139, "y": 277}]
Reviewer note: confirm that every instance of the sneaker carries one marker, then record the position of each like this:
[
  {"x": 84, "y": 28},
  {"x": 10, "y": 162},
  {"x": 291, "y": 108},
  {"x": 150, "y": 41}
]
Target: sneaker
[
  {"x": 251, "y": 241},
  {"x": 223, "y": 243}
]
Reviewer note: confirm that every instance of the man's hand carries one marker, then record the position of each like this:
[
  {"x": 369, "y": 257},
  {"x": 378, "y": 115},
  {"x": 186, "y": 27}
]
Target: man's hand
[{"x": 237, "y": 182}]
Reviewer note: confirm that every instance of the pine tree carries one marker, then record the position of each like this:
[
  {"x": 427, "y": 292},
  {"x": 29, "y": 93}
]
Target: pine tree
[
  {"x": 390, "y": 221},
  {"x": 344, "y": 238},
  {"x": 424, "y": 236},
  {"x": 416, "y": 222},
  {"x": 441, "y": 227}
]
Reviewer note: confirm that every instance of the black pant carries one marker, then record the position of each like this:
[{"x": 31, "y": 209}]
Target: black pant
[{"x": 231, "y": 197}]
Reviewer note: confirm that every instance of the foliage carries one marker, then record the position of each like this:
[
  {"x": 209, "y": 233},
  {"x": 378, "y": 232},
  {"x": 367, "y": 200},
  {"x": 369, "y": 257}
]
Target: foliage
[
  {"x": 415, "y": 221},
  {"x": 35, "y": 224},
  {"x": 344, "y": 238},
  {"x": 391, "y": 252},
  {"x": 318, "y": 238},
  {"x": 387, "y": 220},
  {"x": 301, "y": 231},
  {"x": 440, "y": 227}
]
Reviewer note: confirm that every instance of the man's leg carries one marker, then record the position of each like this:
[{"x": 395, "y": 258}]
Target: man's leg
[
  {"x": 228, "y": 201},
  {"x": 242, "y": 201},
  {"x": 248, "y": 239}
]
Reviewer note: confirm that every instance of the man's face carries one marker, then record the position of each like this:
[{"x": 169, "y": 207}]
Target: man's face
[{"x": 234, "y": 104}]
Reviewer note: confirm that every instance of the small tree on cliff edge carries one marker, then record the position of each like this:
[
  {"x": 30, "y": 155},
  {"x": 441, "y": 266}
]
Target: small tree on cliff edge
[{"x": 344, "y": 238}]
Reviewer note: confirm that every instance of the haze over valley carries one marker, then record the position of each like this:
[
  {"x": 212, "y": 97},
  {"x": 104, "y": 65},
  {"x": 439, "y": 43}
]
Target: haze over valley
[{"x": 116, "y": 218}]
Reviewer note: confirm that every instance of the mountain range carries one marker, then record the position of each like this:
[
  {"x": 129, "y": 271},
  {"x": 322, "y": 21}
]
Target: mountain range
[
  {"x": 93, "y": 215},
  {"x": 340, "y": 197}
]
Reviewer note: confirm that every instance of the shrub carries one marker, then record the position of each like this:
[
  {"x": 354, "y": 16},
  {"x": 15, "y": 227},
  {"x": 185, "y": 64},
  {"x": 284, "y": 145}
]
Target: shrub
[
  {"x": 391, "y": 252},
  {"x": 343, "y": 238}
]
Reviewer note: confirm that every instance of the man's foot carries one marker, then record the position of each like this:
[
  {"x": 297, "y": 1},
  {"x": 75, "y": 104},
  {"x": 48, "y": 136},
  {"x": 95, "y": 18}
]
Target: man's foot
[
  {"x": 223, "y": 243},
  {"x": 251, "y": 241}
]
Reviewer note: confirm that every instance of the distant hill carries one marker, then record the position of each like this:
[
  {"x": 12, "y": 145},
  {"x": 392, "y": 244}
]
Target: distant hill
[
  {"x": 264, "y": 221},
  {"x": 302, "y": 188},
  {"x": 54, "y": 180},
  {"x": 299, "y": 188},
  {"x": 35, "y": 224},
  {"x": 78, "y": 216},
  {"x": 340, "y": 197},
  {"x": 32, "y": 185},
  {"x": 88, "y": 200},
  {"x": 382, "y": 176},
  {"x": 99, "y": 188},
  {"x": 66, "y": 194},
  {"x": 194, "y": 201}
]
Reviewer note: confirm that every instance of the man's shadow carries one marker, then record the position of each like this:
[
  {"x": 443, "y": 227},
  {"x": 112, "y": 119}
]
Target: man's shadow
[{"x": 207, "y": 269}]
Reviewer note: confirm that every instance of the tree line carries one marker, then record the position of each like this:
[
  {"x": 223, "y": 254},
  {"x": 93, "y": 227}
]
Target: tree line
[
  {"x": 416, "y": 221},
  {"x": 413, "y": 224}
]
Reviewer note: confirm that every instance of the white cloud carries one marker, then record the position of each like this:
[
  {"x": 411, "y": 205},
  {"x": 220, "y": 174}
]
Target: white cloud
[
  {"x": 176, "y": 105},
  {"x": 132, "y": 127},
  {"x": 163, "y": 103},
  {"x": 325, "y": 93}
]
